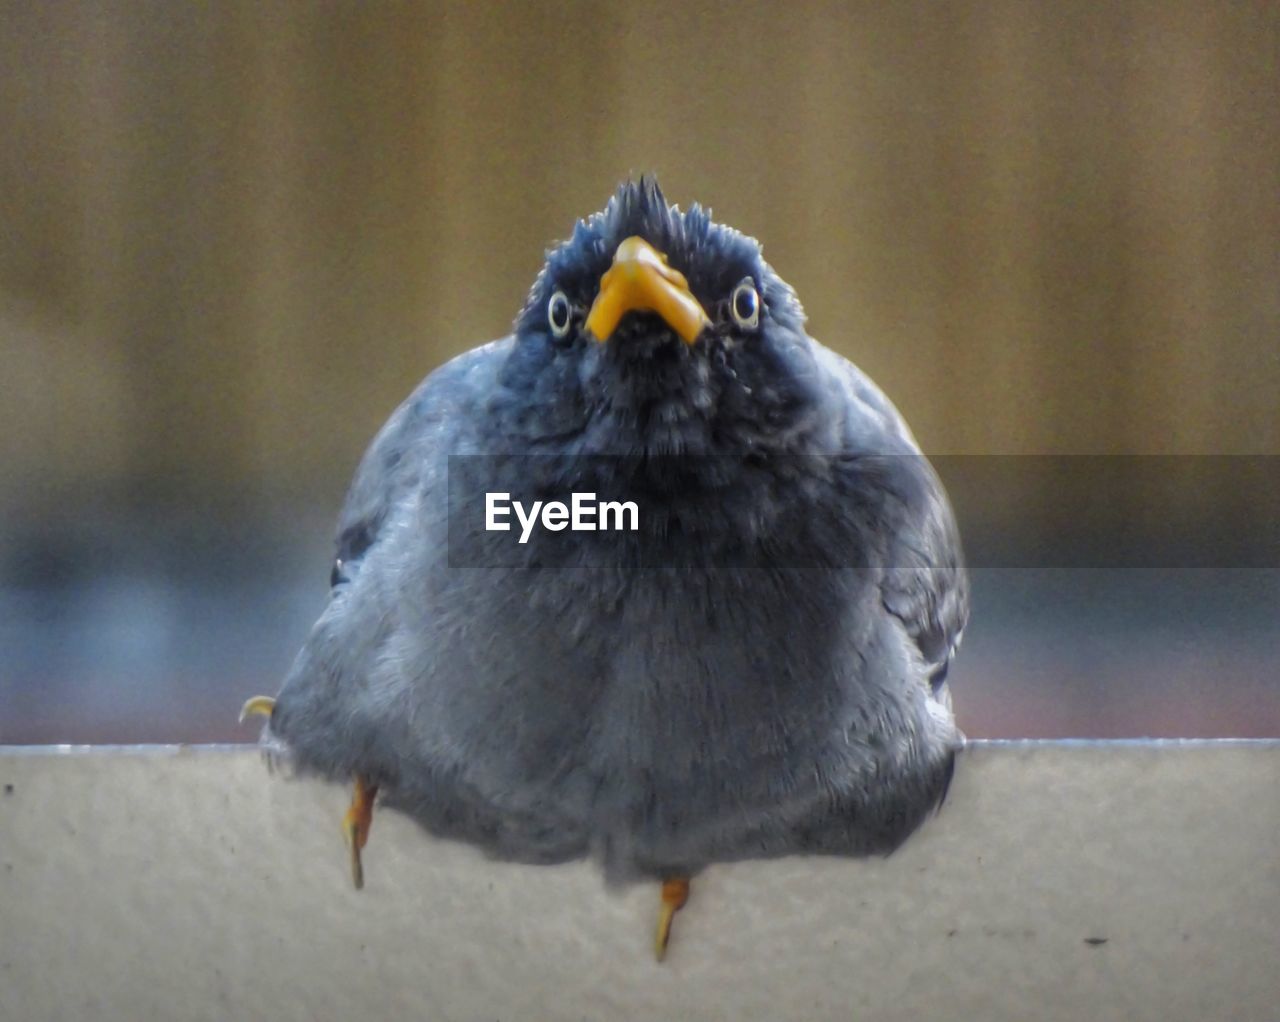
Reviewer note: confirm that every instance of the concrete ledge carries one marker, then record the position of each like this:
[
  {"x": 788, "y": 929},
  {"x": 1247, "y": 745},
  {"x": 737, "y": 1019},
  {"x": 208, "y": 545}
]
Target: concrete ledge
[{"x": 1061, "y": 881}]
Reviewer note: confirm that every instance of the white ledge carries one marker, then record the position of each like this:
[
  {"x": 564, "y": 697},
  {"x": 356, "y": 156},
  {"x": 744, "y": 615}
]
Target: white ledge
[{"x": 1076, "y": 880}]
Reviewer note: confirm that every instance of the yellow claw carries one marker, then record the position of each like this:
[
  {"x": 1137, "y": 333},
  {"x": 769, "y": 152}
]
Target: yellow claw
[
  {"x": 675, "y": 892},
  {"x": 356, "y": 824},
  {"x": 260, "y": 705}
]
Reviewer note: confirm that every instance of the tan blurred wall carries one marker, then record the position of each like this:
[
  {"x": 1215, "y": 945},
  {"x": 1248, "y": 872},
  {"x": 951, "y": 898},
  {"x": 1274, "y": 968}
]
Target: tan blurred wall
[{"x": 234, "y": 235}]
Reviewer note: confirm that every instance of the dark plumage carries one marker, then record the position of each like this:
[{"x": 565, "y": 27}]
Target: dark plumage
[{"x": 758, "y": 670}]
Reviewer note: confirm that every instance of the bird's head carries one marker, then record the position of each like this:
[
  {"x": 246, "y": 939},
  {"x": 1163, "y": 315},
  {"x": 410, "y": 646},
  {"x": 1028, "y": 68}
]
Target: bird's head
[{"x": 655, "y": 329}]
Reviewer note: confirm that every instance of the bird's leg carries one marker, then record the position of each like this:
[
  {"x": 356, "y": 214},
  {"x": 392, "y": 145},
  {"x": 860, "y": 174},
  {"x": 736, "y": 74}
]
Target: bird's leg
[
  {"x": 359, "y": 818},
  {"x": 356, "y": 824},
  {"x": 675, "y": 892}
]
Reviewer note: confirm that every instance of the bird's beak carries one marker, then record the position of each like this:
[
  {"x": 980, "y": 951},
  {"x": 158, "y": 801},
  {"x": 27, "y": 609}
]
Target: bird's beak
[{"x": 641, "y": 281}]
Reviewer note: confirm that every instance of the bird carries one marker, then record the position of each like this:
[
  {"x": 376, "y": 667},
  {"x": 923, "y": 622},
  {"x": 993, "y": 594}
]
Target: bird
[{"x": 754, "y": 666}]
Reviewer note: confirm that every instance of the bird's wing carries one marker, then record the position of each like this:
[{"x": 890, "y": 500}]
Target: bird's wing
[
  {"x": 925, "y": 584},
  {"x": 392, "y": 468}
]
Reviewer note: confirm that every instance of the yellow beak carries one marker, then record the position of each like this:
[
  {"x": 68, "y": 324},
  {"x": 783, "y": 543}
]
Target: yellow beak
[{"x": 641, "y": 281}]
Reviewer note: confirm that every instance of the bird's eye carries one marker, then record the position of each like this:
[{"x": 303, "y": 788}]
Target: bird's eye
[
  {"x": 559, "y": 314},
  {"x": 745, "y": 305}
]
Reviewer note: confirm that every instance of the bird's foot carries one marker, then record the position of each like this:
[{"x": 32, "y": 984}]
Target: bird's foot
[
  {"x": 356, "y": 824},
  {"x": 262, "y": 706},
  {"x": 275, "y": 752},
  {"x": 675, "y": 892}
]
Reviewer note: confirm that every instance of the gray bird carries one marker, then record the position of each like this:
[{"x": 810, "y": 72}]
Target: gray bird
[{"x": 757, "y": 669}]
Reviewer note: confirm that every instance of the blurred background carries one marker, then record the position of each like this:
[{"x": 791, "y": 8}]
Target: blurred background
[{"x": 234, "y": 236}]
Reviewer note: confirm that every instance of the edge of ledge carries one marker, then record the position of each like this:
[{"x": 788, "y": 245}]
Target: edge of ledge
[{"x": 162, "y": 749}]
